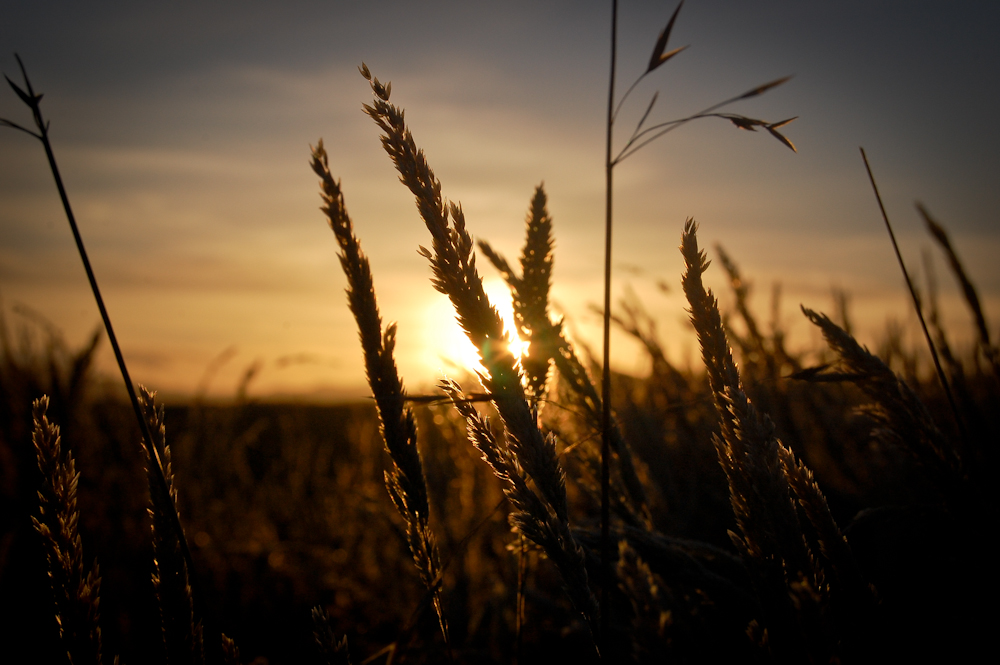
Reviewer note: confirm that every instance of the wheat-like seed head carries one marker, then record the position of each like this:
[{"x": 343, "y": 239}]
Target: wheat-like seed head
[
  {"x": 531, "y": 516},
  {"x": 790, "y": 581},
  {"x": 968, "y": 288},
  {"x": 182, "y": 630},
  {"x": 405, "y": 481},
  {"x": 230, "y": 652},
  {"x": 548, "y": 343},
  {"x": 332, "y": 650},
  {"x": 453, "y": 263},
  {"x": 76, "y": 591},
  {"x": 898, "y": 407}
]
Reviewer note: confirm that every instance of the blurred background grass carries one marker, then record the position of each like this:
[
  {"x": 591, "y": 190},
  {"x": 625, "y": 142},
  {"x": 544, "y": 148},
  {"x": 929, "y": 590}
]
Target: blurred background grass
[{"x": 285, "y": 507}]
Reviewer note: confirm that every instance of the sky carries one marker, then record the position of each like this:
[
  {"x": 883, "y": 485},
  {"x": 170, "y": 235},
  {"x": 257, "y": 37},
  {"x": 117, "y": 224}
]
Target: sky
[{"x": 183, "y": 132}]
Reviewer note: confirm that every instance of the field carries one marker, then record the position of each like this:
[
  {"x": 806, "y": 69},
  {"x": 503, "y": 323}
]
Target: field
[
  {"x": 772, "y": 503},
  {"x": 285, "y": 509}
]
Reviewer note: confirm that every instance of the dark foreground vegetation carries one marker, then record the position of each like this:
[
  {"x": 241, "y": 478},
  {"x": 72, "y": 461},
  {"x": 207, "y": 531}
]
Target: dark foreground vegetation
[
  {"x": 285, "y": 509},
  {"x": 820, "y": 505}
]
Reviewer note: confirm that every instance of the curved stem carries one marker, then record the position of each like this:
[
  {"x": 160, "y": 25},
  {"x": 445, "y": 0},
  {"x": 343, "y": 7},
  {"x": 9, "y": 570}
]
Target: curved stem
[
  {"x": 670, "y": 125},
  {"x": 627, "y": 93}
]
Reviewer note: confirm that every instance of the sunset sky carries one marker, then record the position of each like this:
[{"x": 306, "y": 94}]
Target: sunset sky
[{"x": 183, "y": 133}]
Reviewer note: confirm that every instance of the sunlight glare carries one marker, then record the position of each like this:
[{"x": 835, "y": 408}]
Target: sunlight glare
[{"x": 451, "y": 346}]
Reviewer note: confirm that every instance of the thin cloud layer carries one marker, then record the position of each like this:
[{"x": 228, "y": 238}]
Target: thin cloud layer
[{"x": 183, "y": 134}]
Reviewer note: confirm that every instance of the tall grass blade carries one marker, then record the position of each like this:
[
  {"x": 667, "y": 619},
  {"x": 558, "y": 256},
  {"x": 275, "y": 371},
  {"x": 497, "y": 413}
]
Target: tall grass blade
[
  {"x": 968, "y": 288},
  {"x": 916, "y": 303},
  {"x": 547, "y": 341},
  {"x": 764, "y": 479},
  {"x": 455, "y": 274},
  {"x": 160, "y": 483},
  {"x": 332, "y": 650},
  {"x": 609, "y": 172},
  {"x": 900, "y": 408},
  {"x": 405, "y": 482},
  {"x": 531, "y": 515}
]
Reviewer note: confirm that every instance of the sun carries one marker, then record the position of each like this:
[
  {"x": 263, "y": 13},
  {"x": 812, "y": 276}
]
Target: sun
[{"x": 450, "y": 344}]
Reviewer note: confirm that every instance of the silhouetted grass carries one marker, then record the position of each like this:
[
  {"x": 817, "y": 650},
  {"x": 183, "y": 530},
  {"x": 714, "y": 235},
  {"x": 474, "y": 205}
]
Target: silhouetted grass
[{"x": 781, "y": 505}]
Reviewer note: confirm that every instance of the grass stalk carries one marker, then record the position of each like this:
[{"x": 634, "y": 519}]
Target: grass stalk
[
  {"x": 968, "y": 288},
  {"x": 453, "y": 263},
  {"x": 159, "y": 482},
  {"x": 640, "y": 138},
  {"x": 542, "y": 516},
  {"x": 182, "y": 630},
  {"x": 76, "y": 591},
  {"x": 548, "y": 344},
  {"x": 768, "y": 486},
  {"x": 332, "y": 650},
  {"x": 609, "y": 173},
  {"x": 230, "y": 651},
  {"x": 945, "y": 384},
  {"x": 532, "y": 516},
  {"x": 405, "y": 482},
  {"x": 899, "y": 408}
]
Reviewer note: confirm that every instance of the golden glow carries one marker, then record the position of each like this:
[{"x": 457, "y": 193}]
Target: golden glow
[{"x": 449, "y": 345}]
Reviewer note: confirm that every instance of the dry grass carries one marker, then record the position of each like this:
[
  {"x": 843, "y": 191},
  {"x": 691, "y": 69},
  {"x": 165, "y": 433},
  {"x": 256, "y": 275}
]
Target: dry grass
[
  {"x": 807, "y": 596},
  {"x": 182, "y": 630},
  {"x": 797, "y": 586},
  {"x": 781, "y": 506},
  {"x": 75, "y": 589},
  {"x": 405, "y": 482}
]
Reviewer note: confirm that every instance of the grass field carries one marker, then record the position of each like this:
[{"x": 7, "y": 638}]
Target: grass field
[
  {"x": 285, "y": 509},
  {"x": 773, "y": 503}
]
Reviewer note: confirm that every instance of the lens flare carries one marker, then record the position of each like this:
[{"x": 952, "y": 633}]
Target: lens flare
[{"x": 450, "y": 344}]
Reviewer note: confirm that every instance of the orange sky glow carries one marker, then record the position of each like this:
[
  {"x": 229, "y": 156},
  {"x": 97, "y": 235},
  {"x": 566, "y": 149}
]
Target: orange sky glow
[{"x": 185, "y": 154}]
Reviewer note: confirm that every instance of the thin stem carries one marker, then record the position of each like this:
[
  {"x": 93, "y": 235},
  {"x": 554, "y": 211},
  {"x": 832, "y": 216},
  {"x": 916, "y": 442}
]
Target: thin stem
[
  {"x": 14, "y": 125},
  {"x": 671, "y": 125},
  {"x": 609, "y": 166},
  {"x": 916, "y": 303},
  {"x": 43, "y": 136},
  {"x": 627, "y": 93},
  {"x": 522, "y": 579}
]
